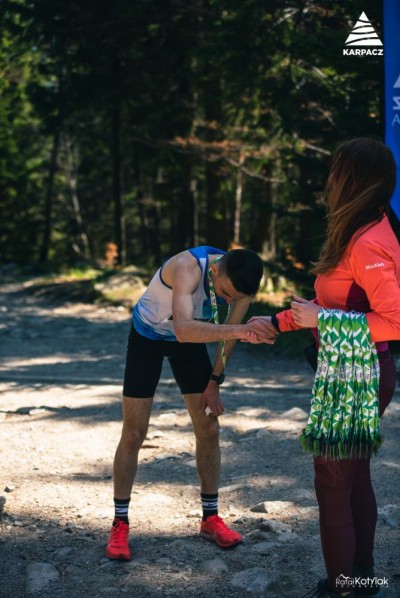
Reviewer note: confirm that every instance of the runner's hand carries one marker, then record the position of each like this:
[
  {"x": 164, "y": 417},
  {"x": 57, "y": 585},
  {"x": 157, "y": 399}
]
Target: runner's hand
[
  {"x": 211, "y": 398},
  {"x": 261, "y": 330}
]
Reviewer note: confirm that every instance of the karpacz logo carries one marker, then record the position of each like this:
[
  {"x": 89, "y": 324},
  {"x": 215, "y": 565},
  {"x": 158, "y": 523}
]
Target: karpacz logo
[
  {"x": 363, "y": 52},
  {"x": 363, "y": 34}
]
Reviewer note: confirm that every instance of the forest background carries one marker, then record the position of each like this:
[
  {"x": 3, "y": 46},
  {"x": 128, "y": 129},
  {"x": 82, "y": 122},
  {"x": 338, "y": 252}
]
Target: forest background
[{"x": 130, "y": 130}]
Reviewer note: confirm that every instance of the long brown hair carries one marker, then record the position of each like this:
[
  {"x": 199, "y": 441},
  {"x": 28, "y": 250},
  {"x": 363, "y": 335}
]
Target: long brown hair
[{"x": 360, "y": 184}]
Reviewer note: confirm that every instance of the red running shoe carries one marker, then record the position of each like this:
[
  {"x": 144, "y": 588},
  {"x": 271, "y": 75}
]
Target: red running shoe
[
  {"x": 214, "y": 528},
  {"x": 118, "y": 546}
]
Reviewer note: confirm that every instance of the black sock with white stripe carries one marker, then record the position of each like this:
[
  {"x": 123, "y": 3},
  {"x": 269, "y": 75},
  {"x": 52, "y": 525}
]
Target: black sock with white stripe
[
  {"x": 121, "y": 509},
  {"x": 209, "y": 503}
]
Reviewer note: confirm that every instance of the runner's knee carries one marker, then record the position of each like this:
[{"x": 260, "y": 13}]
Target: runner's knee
[
  {"x": 208, "y": 430},
  {"x": 133, "y": 438}
]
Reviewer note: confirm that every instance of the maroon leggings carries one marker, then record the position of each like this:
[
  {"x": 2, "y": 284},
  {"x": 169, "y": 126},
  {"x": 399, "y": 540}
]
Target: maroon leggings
[{"x": 346, "y": 499}]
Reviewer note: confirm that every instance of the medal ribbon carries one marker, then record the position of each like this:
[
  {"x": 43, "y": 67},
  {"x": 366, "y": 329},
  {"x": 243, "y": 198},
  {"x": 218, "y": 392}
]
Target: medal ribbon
[{"x": 214, "y": 311}]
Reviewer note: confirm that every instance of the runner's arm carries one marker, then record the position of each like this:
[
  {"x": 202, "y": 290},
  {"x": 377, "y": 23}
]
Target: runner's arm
[
  {"x": 236, "y": 314},
  {"x": 187, "y": 329},
  {"x": 211, "y": 396}
]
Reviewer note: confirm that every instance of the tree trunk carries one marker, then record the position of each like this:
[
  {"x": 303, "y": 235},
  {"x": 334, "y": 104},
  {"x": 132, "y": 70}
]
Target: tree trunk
[
  {"x": 48, "y": 210},
  {"x": 304, "y": 247},
  {"x": 185, "y": 218},
  {"x": 155, "y": 236},
  {"x": 238, "y": 202},
  {"x": 217, "y": 230},
  {"x": 195, "y": 198},
  {"x": 143, "y": 229},
  {"x": 72, "y": 179},
  {"x": 119, "y": 219},
  {"x": 264, "y": 236},
  {"x": 216, "y": 234}
]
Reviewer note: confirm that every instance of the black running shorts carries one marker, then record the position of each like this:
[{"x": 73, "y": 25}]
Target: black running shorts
[{"x": 190, "y": 364}]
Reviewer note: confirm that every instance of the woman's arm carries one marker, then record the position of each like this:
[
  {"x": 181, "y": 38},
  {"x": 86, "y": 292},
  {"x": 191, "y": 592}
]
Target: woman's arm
[{"x": 375, "y": 271}]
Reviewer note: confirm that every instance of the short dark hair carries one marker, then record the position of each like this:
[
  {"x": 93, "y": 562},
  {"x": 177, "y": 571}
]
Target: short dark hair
[{"x": 244, "y": 268}]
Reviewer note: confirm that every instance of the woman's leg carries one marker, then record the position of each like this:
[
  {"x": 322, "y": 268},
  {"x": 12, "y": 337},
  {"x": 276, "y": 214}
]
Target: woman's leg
[
  {"x": 365, "y": 515},
  {"x": 333, "y": 486},
  {"x": 346, "y": 499},
  {"x": 363, "y": 496}
]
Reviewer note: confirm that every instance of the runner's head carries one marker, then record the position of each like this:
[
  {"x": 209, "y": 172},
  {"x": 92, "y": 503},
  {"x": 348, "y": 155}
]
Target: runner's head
[{"x": 239, "y": 274}]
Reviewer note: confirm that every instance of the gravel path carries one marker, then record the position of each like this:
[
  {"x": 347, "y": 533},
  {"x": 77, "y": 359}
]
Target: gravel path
[{"x": 60, "y": 416}]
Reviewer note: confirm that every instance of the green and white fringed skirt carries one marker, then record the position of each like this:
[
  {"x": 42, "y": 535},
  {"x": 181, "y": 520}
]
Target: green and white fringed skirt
[{"x": 344, "y": 416}]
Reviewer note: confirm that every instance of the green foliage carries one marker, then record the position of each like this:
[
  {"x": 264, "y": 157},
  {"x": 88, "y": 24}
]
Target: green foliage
[{"x": 126, "y": 122}]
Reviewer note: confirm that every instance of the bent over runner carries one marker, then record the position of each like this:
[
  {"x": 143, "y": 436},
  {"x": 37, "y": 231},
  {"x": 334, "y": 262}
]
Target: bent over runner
[{"x": 174, "y": 318}]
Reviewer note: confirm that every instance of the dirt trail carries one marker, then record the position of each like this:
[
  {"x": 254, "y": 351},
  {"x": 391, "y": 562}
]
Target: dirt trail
[{"x": 60, "y": 415}]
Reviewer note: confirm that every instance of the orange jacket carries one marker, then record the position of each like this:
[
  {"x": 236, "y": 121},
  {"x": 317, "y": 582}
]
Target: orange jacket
[{"x": 367, "y": 279}]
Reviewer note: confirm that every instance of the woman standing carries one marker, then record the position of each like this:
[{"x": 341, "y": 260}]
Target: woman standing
[{"x": 358, "y": 269}]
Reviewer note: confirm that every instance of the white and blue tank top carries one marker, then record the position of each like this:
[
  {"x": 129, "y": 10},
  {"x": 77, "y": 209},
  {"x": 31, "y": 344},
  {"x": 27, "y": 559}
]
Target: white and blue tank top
[{"x": 152, "y": 315}]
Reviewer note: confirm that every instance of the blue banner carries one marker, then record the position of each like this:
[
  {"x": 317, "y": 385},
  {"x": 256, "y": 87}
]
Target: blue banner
[{"x": 391, "y": 18}]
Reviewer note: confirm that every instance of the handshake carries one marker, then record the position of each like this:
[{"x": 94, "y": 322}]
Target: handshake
[{"x": 258, "y": 330}]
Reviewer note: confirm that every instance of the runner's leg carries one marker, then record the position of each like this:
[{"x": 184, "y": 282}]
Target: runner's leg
[
  {"x": 135, "y": 424},
  {"x": 192, "y": 369},
  {"x": 142, "y": 372},
  {"x": 208, "y": 454}
]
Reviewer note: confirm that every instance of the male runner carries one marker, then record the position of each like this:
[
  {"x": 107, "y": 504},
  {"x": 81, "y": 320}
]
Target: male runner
[{"x": 174, "y": 318}]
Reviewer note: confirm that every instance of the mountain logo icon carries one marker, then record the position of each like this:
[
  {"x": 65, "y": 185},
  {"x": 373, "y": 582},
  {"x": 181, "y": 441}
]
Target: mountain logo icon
[{"x": 363, "y": 34}]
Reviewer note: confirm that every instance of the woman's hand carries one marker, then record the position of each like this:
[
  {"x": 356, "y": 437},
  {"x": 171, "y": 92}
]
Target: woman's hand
[
  {"x": 305, "y": 313},
  {"x": 261, "y": 331}
]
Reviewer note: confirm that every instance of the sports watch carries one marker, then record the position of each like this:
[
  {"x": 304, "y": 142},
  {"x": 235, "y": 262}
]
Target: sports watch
[{"x": 218, "y": 379}]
